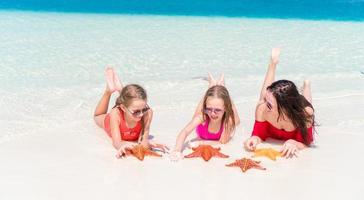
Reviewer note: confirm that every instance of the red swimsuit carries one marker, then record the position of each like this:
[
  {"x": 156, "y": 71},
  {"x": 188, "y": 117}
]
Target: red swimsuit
[
  {"x": 127, "y": 134},
  {"x": 265, "y": 130}
]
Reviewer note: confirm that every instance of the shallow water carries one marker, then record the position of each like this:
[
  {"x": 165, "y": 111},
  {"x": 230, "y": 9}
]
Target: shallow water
[{"x": 52, "y": 64}]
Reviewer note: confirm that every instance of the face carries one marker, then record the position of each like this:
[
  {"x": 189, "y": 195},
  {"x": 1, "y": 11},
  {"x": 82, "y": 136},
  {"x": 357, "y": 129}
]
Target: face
[
  {"x": 215, "y": 108},
  {"x": 136, "y": 110},
  {"x": 270, "y": 101}
]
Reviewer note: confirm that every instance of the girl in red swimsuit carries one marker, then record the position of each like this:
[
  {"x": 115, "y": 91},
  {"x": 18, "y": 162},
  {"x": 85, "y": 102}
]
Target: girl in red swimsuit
[
  {"x": 283, "y": 113},
  {"x": 129, "y": 120}
]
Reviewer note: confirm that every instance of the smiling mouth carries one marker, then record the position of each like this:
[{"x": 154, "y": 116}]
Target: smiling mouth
[{"x": 214, "y": 117}]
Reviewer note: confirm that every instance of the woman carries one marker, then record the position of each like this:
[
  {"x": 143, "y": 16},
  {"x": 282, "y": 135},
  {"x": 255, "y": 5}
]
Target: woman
[{"x": 283, "y": 113}]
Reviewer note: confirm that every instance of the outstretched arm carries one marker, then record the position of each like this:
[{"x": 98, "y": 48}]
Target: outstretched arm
[
  {"x": 270, "y": 75},
  {"x": 251, "y": 143},
  {"x": 186, "y": 131}
]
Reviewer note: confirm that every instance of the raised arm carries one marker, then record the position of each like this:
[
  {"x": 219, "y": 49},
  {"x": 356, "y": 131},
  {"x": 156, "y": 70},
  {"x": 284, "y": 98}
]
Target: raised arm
[{"x": 270, "y": 75}]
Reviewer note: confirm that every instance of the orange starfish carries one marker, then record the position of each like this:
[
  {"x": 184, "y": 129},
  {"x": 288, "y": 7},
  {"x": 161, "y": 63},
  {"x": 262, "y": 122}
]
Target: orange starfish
[
  {"x": 267, "y": 152},
  {"x": 206, "y": 152},
  {"x": 246, "y": 164},
  {"x": 139, "y": 151}
]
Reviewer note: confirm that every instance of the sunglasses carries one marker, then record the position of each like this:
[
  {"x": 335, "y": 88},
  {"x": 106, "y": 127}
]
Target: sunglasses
[
  {"x": 137, "y": 113},
  {"x": 214, "y": 110}
]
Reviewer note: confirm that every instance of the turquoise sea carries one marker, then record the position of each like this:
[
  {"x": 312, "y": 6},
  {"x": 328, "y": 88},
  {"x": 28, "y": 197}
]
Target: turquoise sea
[{"x": 302, "y": 9}]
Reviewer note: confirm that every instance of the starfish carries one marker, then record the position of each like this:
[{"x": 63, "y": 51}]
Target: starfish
[
  {"x": 206, "y": 152},
  {"x": 139, "y": 151},
  {"x": 246, "y": 164},
  {"x": 267, "y": 152}
]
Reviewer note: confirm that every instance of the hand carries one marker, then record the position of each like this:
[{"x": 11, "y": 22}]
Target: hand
[
  {"x": 175, "y": 156},
  {"x": 289, "y": 149},
  {"x": 158, "y": 146},
  {"x": 123, "y": 150},
  {"x": 251, "y": 143},
  {"x": 275, "y": 55}
]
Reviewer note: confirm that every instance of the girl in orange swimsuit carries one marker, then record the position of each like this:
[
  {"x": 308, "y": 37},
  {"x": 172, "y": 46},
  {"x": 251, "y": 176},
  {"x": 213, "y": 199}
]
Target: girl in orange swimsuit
[
  {"x": 283, "y": 113},
  {"x": 129, "y": 120}
]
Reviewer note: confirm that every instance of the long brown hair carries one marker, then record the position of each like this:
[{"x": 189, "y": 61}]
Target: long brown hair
[
  {"x": 228, "y": 118},
  {"x": 128, "y": 94},
  {"x": 291, "y": 103}
]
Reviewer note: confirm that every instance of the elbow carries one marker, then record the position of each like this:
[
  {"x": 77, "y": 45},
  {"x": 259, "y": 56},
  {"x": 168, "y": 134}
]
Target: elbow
[{"x": 225, "y": 138}]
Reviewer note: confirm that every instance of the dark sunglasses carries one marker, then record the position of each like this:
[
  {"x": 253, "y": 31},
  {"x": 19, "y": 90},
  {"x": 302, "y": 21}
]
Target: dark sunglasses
[
  {"x": 214, "y": 110},
  {"x": 137, "y": 113}
]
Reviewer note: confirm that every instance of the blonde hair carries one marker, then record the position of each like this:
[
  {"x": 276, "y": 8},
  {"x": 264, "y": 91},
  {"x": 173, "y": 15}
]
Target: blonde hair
[
  {"x": 129, "y": 93},
  {"x": 228, "y": 118}
]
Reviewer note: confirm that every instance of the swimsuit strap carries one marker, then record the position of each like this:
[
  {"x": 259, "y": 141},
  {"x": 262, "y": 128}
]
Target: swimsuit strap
[{"x": 121, "y": 112}]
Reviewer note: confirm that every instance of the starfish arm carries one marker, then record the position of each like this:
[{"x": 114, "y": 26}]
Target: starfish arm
[
  {"x": 234, "y": 164},
  {"x": 221, "y": 155},
  {"x": 260, "y": 167},
  {"x": 152, "y": 153},
  {"x": 243, "y": 169},
  {"x": 272, "y": 156},
  {"x": 193, "y": 154}
]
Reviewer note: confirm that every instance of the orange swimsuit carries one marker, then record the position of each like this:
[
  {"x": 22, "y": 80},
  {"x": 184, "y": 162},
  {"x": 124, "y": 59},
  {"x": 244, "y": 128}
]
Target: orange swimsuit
[{"x": 127, "y": 134}]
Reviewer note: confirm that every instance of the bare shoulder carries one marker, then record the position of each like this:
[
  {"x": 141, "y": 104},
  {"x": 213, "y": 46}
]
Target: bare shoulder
[
  {"x": 310, "y": 112},
  {"x": 198, "y": 118},
  {"x": 115, "y": 114},
  {"x": 259, "y": 111}
]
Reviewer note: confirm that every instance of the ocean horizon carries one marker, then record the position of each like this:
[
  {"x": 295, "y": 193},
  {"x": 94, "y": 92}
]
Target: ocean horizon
[{"x": 341, "y": 10}]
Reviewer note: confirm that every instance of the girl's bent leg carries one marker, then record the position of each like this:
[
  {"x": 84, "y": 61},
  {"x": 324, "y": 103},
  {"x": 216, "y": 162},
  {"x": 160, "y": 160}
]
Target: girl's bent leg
[{"x": 101, "y": 108}]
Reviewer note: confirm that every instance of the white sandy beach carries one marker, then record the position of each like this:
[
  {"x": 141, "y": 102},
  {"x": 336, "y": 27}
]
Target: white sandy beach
[{"x": 51, "y": 77}]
